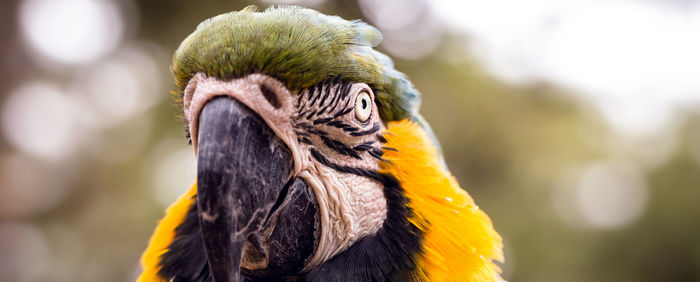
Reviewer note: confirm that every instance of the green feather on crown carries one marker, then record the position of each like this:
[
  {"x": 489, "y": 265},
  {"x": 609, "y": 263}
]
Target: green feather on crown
[{"x": 301, "y": 48}]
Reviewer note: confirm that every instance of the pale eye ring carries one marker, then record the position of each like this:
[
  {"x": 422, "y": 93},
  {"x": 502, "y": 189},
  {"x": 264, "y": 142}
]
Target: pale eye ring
[{"x": 363, "y": 106}]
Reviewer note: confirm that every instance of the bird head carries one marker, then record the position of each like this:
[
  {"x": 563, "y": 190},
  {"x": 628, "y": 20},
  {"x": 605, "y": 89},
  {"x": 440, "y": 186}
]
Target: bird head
[{"x": 312, "y": 162}]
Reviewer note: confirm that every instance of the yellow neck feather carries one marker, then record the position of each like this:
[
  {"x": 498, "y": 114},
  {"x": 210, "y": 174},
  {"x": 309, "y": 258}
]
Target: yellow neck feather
[
  {"x": 460, "y": 243},
  {"x": 164, "y": 235}
]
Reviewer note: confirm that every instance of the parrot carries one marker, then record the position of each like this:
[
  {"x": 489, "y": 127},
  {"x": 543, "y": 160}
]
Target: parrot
[{"x": 312, "y": 162}]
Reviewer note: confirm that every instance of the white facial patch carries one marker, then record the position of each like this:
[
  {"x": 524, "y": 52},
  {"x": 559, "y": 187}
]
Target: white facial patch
[
  {"x": 246, "y": 90},
  {"x": 350, "y": 206}
]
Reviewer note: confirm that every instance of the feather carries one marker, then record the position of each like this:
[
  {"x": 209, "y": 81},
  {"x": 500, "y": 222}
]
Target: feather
[{"x": 459, "y": 242}]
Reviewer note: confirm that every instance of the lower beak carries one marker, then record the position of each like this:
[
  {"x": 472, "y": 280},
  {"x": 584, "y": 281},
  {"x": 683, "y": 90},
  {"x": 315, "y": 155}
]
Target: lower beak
[{"x": 243, "y": 184}]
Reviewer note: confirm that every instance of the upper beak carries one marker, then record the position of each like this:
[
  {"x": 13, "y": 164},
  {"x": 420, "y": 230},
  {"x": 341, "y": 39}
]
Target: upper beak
[{"x": 247, "y": 197}]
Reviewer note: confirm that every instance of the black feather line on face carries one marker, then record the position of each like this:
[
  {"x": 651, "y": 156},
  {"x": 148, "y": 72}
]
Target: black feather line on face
[
  {"x": 346, "y": 90},
  {"x": 325, "y": 96},
  {"x": 347, "y": 169},
  {"x": 374, "y": 129},
  {"x": 377, "y": 153},
  {"x": 330, "y": 91},
  {"x": 305, "y": 125},
  {"x": 322, "y": 120},
  {"x": 342, "y": 125},
  {"x": 350, "y": 129},
  {"x": 343, "y": 112},
  {"x": 318, "y": 132},
  {"x": 299, "y": 97},
  {"x": 311, "y": 114},
  {"x": 338, "y": 124},
  {"x": 336, "y": 100},
  {"x": 306, "y": 141},
  {"x": 322, "y": 87},
  {"x": 340, "y": 147},
  {"x": 310, "y": 93}
]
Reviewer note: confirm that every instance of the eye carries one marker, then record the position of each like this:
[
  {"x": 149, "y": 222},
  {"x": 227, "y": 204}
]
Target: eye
[{"x": 363, "y": 106}]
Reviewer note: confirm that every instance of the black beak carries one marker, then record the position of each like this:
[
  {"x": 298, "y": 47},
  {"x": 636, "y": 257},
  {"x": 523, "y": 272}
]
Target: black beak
[{"x": 255, "y": 218}]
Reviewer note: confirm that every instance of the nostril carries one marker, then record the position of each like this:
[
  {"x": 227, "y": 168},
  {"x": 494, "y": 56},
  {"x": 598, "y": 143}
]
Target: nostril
[{"x": 270, "y": 96}]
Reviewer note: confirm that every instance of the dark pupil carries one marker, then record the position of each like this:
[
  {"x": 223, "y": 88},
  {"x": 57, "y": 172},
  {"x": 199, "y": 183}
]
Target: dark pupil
[{"x": 364, "y": 103}]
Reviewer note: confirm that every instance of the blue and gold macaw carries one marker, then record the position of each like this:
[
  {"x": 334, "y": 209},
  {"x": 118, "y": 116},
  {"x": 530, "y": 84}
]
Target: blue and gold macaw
[{"x": 313, "y": 163}]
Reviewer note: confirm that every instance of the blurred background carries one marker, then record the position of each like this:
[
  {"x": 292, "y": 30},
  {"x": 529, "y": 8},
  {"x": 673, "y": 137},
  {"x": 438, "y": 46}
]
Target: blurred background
[{"x": 574, "y": 124}]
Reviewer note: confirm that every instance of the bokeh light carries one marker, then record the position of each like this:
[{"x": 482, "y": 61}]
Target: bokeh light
[
  {"x": 410, "y": 31},
  {"x": 121, "y": 86},
  {"x": 71, "y": 31},
  {"x": 602, "y": 195},
  {"x": 40, "y": 119},
  {"x": 611, "y": 195}
]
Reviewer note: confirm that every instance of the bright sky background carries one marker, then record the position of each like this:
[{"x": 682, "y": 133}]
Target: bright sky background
[{"x": 637, "y": 61}]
